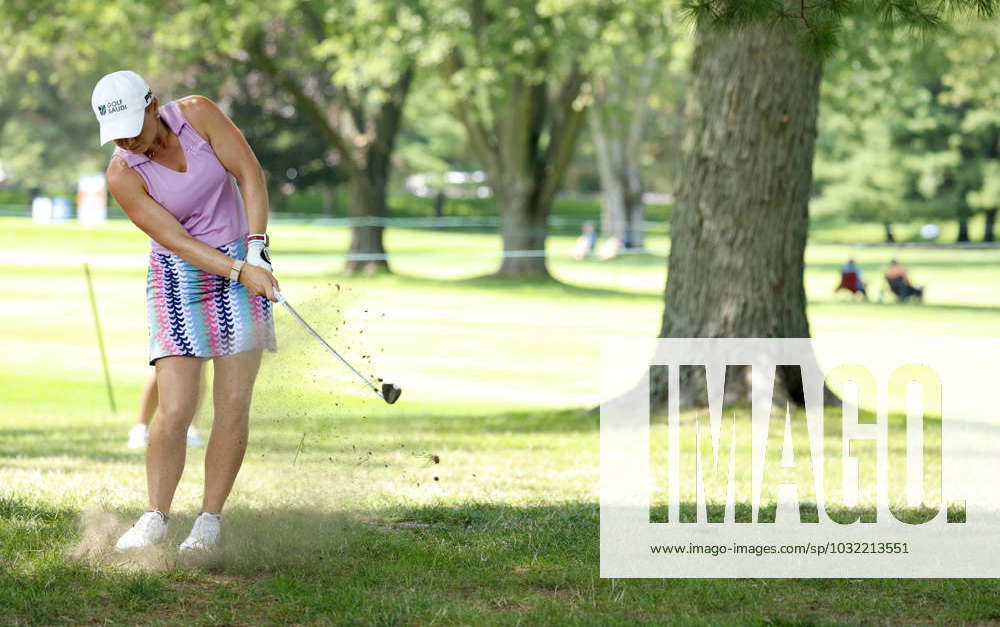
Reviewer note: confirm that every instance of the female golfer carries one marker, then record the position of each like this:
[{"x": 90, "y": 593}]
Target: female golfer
[{"x": 209, "y": 286}]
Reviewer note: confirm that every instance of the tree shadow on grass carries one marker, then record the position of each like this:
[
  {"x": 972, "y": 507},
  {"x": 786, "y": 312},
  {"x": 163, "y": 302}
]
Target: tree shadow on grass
[
  {"x": 91, "y": 443},
  {"x": 96, "y": 445},
  {"x": 885, "y": 309},
  {"x": 458, "y": 564},
  {"x": 978, "y": 265},
  {"x": 491, "y": 282}
]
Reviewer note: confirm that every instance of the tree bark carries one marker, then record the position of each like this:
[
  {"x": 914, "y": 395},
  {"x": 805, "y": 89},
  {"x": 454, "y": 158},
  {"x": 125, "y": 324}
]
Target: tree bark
[
  {"x": 617, "y": 122},
  {"x": 988, "y": 228},
  {"x": 740, "y": 223},
  {"x": 364, "y": 145},
  {"x": 523, "y": 227},
  {"x": 525, "y": 151},
  {"x": 889, "y": 237},
  {"x": 609, "y": 151},
  {"x": 328, "y": 194},
  {"x": 366, "y": 253},
  {"x": 370, "y": 191},
  {"x": 623, "y": 211},
  {"x": 635, "y": 208},
  {"x": 963, "y": 229}
]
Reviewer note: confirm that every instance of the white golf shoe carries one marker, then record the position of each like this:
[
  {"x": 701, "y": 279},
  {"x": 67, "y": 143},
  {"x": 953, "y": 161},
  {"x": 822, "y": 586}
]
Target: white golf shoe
[
  {"x": 137, "y": 436},
  {"x": 205, "y": 535},
  {"x": 150, "y": 529}
]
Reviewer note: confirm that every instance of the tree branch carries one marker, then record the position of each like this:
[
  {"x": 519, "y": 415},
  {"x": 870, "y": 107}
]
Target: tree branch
[
  {"x": 479, "y": 137},
  {"x": 313, "y": 21},
  {"x": 648, "y": 78},
  {"x": 566, "y": 124},
  {"x": 268, "y": 65},
  {"x": 386, "y": 124}
]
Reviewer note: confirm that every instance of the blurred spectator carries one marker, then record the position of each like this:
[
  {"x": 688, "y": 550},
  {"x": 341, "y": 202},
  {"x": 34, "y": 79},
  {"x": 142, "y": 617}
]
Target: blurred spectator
[
  {"x": 850, "y": 279},
  {"x": 899, "y": 282},
  {"x": 611, "y": 248},
  {"x": 587, "y": 241}
]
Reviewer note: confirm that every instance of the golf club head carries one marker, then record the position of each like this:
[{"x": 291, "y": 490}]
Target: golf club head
[{"x": 390, "y": 392}]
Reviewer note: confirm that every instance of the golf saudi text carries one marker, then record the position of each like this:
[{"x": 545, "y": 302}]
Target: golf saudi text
[{"x": 894, "y": 475}]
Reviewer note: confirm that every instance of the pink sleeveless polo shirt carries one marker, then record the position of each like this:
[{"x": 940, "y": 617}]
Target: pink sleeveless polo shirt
[{"x": 205, "y": 199}]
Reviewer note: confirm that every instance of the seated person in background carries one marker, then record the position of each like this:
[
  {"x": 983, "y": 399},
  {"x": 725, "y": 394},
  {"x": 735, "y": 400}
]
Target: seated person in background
[
  {"x": 850, "y": 279},
  {"x": 586, "y": 242},
  {"x": 899, "y": 282},
  {"x": 611, "y": 248}
]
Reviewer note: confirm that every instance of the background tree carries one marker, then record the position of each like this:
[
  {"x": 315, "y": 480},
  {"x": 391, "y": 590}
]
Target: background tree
[
  {"x": 973, "y": 83},
  {"x": 48, "y": 135},
  {"x": 346, "y": 68},
  {"x": 858, "y": 172},
  {"x": 432, "y": 139},
  {"x": 517, "y": 75},
  {"x": 928, "y": 144},
  {"x": 740, "y": 221},
  {"x": 637, "y": 56},
  {"x": 294, "y": 157}
]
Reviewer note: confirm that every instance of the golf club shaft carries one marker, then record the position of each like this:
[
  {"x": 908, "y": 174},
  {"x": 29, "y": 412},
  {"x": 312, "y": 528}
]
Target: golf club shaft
[{"x": 305, "y": 324}]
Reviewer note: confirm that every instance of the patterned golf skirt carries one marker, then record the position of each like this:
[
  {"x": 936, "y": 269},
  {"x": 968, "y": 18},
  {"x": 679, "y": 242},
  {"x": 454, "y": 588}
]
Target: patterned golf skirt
[{"x": 200, "y": 314}]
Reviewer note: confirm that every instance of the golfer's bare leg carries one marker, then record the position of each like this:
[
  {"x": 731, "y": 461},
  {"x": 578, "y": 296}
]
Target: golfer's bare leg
[
  {"x": 234, "y": 379},
  {"x": 177, "y": 380}
]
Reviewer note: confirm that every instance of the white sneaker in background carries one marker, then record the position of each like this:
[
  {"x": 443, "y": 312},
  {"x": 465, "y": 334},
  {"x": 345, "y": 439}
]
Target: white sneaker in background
[
  {"x": 138, "y": 436},
  {"x": 194, "y": 439},
  {"x": 150, "y": 529},
  {"x": 206, "y": 533}
]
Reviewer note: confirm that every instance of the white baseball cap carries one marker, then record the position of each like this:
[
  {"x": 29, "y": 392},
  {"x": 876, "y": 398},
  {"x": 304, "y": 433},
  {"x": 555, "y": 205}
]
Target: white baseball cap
[{"x": 119, "y": 102}]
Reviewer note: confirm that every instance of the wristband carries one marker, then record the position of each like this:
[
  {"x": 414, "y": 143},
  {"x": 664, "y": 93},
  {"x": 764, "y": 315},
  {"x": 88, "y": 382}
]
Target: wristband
[
  {"x": 234, "y": 272},
  {"x": 262, "y": 237}
]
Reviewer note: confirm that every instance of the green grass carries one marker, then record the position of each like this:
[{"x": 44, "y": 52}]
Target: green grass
[{"x": 340, "y": 514}]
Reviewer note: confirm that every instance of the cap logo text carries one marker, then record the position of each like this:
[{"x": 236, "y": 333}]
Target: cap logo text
[{"x": 113, "y": 106}]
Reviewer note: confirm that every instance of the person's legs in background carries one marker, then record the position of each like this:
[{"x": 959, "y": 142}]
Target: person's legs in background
[
  {"x": 193, "y": 437},
  {"x": 138, "y": 435}
]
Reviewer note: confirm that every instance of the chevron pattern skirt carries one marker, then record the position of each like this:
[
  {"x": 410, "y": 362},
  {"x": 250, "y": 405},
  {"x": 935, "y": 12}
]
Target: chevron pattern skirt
[{"x": 199, "y": 314}]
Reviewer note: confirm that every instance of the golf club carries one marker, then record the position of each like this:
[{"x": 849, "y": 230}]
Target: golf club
[{"x": 389, "y": 393}]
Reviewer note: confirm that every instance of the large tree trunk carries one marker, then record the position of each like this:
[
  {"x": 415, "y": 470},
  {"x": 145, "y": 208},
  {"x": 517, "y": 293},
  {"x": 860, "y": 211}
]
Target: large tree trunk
[
  {"x": 889, "y": 237},
  {"x": 366, "y": 253},
  {"x": 622, "y": 212},
  {"x": 369, "y": 184},
  {"x": 328, "y": 194},
  {"x": 525, "y": 144},
  {"x": 635, "y": 207},
  {"x": 988, "y": 228},
  {"x": 617, "y": 122},
  {"x": 609, "y": 169},
  {"x": 963, "y": 229},
  {"x": 523, "y": 227},
  {"x": 740, "y": 222}
]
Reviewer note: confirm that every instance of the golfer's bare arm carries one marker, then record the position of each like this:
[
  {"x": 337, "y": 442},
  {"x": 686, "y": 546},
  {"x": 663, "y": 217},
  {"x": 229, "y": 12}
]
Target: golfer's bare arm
[
  {"x": 235, "y": 154},
  {"x": 129, "y": 190}
]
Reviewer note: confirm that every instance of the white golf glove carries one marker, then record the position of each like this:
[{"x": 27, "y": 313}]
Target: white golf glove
[{"x": 257, "y": 251}]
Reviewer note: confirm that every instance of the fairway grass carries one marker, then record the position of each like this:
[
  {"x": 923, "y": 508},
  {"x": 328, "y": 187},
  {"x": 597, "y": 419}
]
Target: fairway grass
[{"x": 471, "y": 501}]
